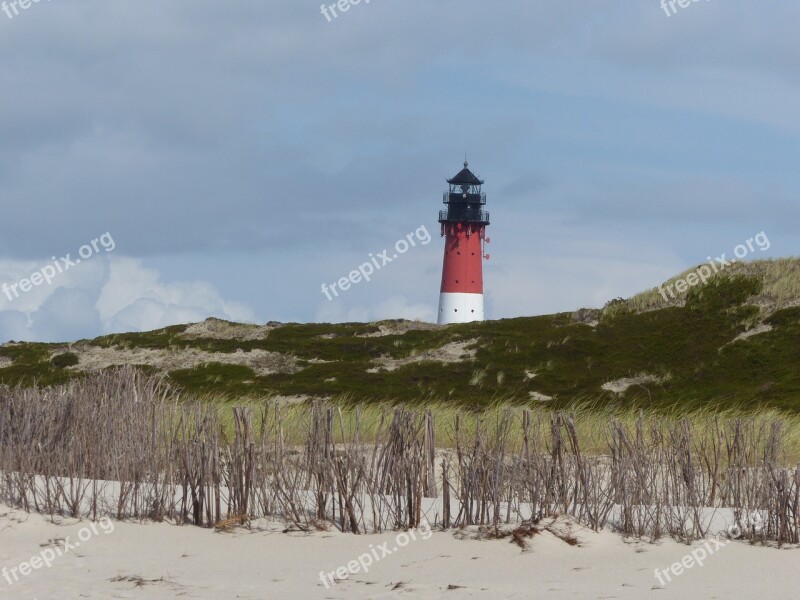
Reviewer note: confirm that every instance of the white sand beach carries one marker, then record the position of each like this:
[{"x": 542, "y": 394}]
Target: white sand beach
[{"x": 160, "y": 560}]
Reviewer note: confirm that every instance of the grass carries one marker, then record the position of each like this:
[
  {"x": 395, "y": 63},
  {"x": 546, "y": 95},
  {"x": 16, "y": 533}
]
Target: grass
[
  {"x": 687, "y": 347},
  {"x": 32, "y": 366},
  {"x": 781, "y": 279},
  {"x": 592, "y": 420}
]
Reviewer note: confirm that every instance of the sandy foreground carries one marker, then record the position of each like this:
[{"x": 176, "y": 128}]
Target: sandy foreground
[{"x": 159, "y": 560}]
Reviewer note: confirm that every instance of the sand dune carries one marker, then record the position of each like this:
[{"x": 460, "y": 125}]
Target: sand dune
[{"x": 160, "y": 560}]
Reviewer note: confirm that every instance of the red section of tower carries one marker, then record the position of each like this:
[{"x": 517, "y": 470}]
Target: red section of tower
[{"x": 462, "y": 271}]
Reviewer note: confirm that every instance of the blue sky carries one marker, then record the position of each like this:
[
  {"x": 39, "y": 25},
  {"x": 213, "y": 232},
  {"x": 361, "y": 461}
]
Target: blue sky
[{"x": 243, "y": 153}]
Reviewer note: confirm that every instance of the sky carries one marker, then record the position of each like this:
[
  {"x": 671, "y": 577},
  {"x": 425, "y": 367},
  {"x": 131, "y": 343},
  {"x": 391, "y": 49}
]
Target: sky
[{"x": 226, "y": 159}]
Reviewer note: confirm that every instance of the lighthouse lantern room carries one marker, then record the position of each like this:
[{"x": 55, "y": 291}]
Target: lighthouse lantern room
[{"x": 463, "y": 225}]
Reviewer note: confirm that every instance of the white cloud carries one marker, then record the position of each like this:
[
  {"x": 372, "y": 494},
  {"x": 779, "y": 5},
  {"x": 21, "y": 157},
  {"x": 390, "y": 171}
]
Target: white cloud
[
  {"x": 135, "y": 299},
  {"x": 106, "y": 295}
]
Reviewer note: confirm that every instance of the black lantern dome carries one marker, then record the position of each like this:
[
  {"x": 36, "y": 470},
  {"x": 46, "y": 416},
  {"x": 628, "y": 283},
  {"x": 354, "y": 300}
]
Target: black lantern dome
[
  {"x": 465, "y": 177},
  {"x": 464, "y": 199}
]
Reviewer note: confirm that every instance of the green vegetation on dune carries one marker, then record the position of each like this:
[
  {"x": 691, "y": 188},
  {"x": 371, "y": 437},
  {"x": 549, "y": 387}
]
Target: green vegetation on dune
[
  {"x": 161, "y": 338},
  {"x": 234, "y": 379},
  {"x": 780, "y": 280},
  {"x": 31, "y": 365},
  {"x": 591, "y": 421},
  {"x": 68, "y": 359},
  {"x": 733, "y": 342}
]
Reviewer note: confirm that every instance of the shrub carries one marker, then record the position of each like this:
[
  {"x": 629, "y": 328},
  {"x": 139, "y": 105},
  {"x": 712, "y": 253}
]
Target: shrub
[{"x": 67, "y": 359}]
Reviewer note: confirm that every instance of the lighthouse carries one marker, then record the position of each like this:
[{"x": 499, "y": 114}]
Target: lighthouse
[{"x": 463, "y": 225}]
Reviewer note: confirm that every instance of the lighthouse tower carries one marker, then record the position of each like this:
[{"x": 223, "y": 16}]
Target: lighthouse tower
[{"x": 464, "y": 228}]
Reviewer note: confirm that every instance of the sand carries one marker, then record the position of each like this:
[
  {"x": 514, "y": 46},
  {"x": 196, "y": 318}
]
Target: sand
[
  {"x": 161, "y": 560},
  {"x": 454, "y": 352}
]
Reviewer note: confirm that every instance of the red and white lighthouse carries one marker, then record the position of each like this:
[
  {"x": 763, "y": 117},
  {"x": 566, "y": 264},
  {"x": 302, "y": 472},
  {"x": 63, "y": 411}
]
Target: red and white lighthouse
[{"x": 464, "y": 228}]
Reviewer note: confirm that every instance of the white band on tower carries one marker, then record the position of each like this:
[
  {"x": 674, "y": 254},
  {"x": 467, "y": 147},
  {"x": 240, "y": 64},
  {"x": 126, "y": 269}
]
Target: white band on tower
[{"x": 460, "y": 308}]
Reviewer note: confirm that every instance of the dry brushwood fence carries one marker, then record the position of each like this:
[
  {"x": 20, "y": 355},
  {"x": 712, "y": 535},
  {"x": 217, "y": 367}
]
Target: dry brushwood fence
[{"x": 121, "y": 444}]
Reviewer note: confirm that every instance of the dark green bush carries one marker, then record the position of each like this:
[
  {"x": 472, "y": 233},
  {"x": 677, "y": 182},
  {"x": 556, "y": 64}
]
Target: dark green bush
[{"x": 62, "y": 361}]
